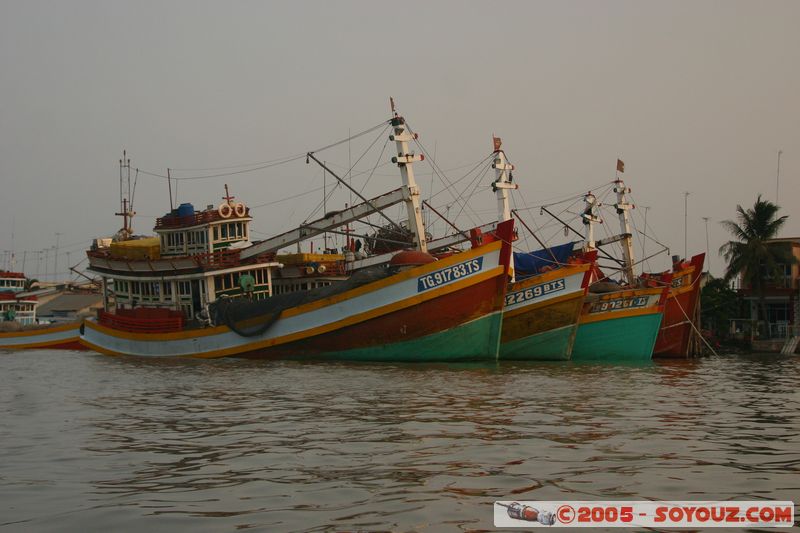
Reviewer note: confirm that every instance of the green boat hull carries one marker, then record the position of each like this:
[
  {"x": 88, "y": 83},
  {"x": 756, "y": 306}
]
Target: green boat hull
[
  {"x": 478, "y": 340},
  {"x": 617, "y": 339},
  {"x": 552, "y": 345}
]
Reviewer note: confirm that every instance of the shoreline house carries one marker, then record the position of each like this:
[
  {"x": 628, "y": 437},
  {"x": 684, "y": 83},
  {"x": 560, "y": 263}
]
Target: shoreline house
[
  {"x": 15, "y": 304},
  {"x": 781, "y": 303}
]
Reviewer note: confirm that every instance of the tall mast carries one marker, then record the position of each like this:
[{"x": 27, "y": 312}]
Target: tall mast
[
  {"x": 622, "y": 206},
  {"x": 503, "y": 179},
  {"x": 404, "y": 160},
  {"x": 590, "y": 218},
  {"x": 502, "y": 184},
  {"x": 125, "y": 196}
]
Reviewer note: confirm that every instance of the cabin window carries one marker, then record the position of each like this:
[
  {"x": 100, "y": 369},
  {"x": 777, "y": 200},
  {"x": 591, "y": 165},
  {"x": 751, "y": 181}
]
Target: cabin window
[
  {"x": 184, "y": 288},
  {"x": 216, "y": 233}
]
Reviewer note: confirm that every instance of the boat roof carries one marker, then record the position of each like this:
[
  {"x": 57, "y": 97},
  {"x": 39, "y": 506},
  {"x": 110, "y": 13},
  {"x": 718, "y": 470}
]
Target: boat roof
[{"x": 70, "y": 302}]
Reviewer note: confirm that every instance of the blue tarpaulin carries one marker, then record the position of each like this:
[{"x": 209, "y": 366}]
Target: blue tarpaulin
[{"x": 530, "y": 263}]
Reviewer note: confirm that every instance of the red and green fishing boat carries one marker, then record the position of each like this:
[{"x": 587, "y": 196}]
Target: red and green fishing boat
[
  {"x": 620, "y": 325},
  {"x": 546, "y": 291},
  {"x": 540, "y": 318},
  {"x": 619, "y": 321},
  {"x": 680, "y": 310},
  {"x": 216, "y": 299}
]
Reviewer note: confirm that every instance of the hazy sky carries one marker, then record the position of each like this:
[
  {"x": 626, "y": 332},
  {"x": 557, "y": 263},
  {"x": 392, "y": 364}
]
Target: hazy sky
[{"x": 694, "y": 96}]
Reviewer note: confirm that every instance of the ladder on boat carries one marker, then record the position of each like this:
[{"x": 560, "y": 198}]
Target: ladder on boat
[{"x": 790, "y": 346}]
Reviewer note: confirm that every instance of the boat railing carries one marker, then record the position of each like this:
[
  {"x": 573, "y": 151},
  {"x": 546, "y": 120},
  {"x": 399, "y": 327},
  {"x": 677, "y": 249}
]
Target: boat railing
[
  {"x": 219, "y": 259},
  {"x": 196, "y": 219},
  {"x": 226, "y": 258},
  {"x": 170, "y": 321}
]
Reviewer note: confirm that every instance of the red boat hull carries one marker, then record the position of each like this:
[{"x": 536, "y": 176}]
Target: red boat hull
[{"x": 684, "y": 296}]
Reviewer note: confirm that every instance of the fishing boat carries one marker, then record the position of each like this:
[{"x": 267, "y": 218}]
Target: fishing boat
[
  {"x": 619, "y": 321},
  {"x": 680, "y": 310},
  {"x": 202, "y": 288},
  {"x": 546, "y": 292},
  {"x": 19, "y": 329}
]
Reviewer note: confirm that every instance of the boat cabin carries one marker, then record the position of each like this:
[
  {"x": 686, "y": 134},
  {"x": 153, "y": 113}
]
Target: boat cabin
[
  {"x": 193, "y": 260},
  {"x": 12, "y": 281}
]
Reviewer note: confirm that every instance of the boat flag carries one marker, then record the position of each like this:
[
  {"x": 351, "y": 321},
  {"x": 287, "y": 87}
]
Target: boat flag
[
  {"x": 497, "y": 143},
  {"x": 620, "y": 165}
]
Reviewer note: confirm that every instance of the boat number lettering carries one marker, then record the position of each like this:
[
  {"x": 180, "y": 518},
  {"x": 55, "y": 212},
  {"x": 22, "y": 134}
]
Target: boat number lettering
[
  {"x": 678, "y": 282},
  {"x": 619, "y": 303},
  {"x": 537, "y": 291},
  {"x": 446, "y": 275}
]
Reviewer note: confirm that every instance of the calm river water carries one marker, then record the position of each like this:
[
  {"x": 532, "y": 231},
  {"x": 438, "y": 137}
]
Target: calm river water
[{"x": 95, "y": 443}]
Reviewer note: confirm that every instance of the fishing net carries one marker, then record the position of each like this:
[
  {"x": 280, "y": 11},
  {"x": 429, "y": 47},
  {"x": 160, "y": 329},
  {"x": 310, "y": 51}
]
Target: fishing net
[{"x": 251, "y": 318}]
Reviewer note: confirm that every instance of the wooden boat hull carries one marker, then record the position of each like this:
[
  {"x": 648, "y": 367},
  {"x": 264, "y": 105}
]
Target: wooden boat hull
[
  {"x": 679, "y": 311},
  {"x": 540, "y": 318},
  {"x": 61, "y": 337},
  {"x": 449, "y": 310},
  {"x": 619, "y": 326}
]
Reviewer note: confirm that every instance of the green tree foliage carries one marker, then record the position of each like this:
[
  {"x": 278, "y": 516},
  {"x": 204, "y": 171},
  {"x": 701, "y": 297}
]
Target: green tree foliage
[
  {"x": 750, "y": 255},
  {"x": 718, "y": 304}
]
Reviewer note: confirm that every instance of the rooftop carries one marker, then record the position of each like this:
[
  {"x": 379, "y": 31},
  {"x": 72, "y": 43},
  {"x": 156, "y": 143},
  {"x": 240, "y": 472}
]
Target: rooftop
[{"x": 70, "y": 303}]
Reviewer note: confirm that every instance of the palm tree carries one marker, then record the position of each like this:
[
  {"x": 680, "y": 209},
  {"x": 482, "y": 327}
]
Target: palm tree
[
  {"x": 751, "y": 255},
  {"x": 31, "y": 284}
]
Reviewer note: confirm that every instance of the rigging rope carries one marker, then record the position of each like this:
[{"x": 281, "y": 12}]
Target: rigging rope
[
  {"x": 435, "y": 167},
  {"x": 265, "y": 164}
]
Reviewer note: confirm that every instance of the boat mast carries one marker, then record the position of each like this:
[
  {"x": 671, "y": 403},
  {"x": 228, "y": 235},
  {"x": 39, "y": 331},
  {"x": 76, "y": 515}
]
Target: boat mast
[
  {"x": 622, "y": 206},
  {"x": 125, "y": 196},
  {"x": 503, "y": 178},
  {"x": 590, "y": 218},
  {"x": 404, "y": 160}
]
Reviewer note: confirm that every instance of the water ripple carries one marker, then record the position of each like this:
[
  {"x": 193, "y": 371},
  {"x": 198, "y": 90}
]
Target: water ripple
[{"x": 96, "y": 443}]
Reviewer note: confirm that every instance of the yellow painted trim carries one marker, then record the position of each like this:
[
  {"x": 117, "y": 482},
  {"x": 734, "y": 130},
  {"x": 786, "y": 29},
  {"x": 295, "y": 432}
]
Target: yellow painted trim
[
  {"x": 392, "y": 280},
  {"x": 612, "y": 315},
  {"x": 349, "y": 321},
  {"x": 677, "y": 292},
  {"x": 624, "y": 293},
  {"x": 538, "y": 305},
  {"x": 562, "y": 272},
  {"x": 43, "y": 344},
  {"x": 41, "y": 331},
  {"x": 332, "y": 300},
  {"x": 188, "y": 334}
]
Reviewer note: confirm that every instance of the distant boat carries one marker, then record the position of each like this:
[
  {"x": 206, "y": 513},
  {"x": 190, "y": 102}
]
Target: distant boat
[
  {"x": 18, "y": 327},
  {"x": 201, "y": 288}
]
